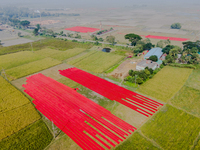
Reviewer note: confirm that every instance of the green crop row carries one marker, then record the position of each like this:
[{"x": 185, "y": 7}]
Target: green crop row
[
  {"x": 30, "y": 68},
  {"x": 17, "y": 59},
  {"x": 96, "y": 61}
]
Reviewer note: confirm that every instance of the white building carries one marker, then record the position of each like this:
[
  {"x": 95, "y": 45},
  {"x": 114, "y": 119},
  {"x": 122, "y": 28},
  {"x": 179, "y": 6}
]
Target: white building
[{"x": 146, "y": 63}]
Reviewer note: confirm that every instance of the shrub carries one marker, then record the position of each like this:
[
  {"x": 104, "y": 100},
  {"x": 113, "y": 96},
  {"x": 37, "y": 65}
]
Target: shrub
[
  {"x": 176, "y": 26},
  {"x": 153, "y": 58}
]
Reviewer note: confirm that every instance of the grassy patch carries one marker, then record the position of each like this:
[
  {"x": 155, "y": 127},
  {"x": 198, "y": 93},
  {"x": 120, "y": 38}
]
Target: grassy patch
[
  {"x": 30, "y": 68},
  {"x": 96, "y": 61},
  {"x": 68, "y": 82},
  {"x": 194, "y": 79},
  {"x": 189, "y": 99},
  {"x": 17, "y": 59},
  {"x": 102, "y": 101},
  {"x": 112, "y": 69},
  {"x": 14, "y": 120},
  {"x": 136, "y": 142},
  {"x": 197, "y": 147},
  {"x": 35, "y": 137},
  {"x": 68, "y": 53},
  {"x": 165, "y": 83},
  {"x": 172, "y": 128}
]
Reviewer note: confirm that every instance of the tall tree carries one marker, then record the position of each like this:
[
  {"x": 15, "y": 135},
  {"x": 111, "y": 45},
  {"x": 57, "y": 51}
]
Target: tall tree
[
  {"x": 25, "y": 23},
  {"x": 133, "y": 38},
  {"x": 110, "y": 39}
]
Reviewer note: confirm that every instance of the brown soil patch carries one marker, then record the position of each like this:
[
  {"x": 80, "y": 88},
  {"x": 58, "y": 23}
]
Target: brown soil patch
[{"x": 45, "y": 22}]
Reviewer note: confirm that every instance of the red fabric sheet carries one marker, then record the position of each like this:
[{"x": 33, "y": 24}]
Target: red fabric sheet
[
  {"x": 137, "y": 102},
  {"x": 166, "y": 38},
  {"x": 70, "y": 111},
  {"x": 82, "y": 29}
]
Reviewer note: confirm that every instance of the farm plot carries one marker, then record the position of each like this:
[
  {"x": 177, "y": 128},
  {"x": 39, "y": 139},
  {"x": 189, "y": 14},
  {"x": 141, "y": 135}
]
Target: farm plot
[
  {"x": 47, "y": 52},
  {"x": 172, "y": 128},
  {"x": 67, "y": 54},
  {"x": 36, "y": 136},
  {"x": 30, "y": 68},
  {"x": 16, "y": 111},
  {"x": 96, "y": 61},
  {"x": 136, "y": 142},
  {"x": 16, "y": 59},
  {"x": 62, "y": 104},
  {"x": 165, "y": 83},
  {"x": 10, "y": 97},
  {"x": 194, "y": 79},
  {"x": 17, "y": 119},
  {"x": 188, "y": 99}
]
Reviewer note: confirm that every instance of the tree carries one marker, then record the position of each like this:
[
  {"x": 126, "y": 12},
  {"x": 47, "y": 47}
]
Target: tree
[
  {"x": 176, "y": 26},
  {"x": 94, "y": 38},
  {"x": 19, "y": 34},
  {"x": 167, "y": 42},
  {"x": 173, "y": 52},
  {"x": 153, "y": 58},
  {"x": 110, "y": 39},
  {"x": 100, "y": 39},
  {"x": 0, "y": 42},
  {"x": 61, "y": 32},
  {"x": 167, "y": 48},
  {"x": 133, "y": 38},
  {"x": 35, "y": 31},
  {"x": 169, "y": 59},
  {"x": 160, "y": 44},
  {"x": 38, "y": 26},
  {"x": 139, "y": 80},
  {"x": 25, "y": 23}
]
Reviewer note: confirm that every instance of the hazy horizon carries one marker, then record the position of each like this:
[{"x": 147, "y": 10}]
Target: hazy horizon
[{"x": 96, "y": 3}]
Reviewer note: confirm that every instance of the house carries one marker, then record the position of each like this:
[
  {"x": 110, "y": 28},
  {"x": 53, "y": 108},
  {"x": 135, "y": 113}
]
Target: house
[
  {"x": 163, "y": 57},
  {"x": 154, "y": 51},
  {"x": 146, "y": 63}
]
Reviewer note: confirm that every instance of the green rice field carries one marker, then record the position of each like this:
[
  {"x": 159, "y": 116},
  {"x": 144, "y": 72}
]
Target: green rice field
[
  {"x": 172, "y": 128},
  {"x": 30, "y": 68},
  {"x": 17, "y": 59},
  {"x": 165, "y": 83},
  {"x": 96, "y": 61}
]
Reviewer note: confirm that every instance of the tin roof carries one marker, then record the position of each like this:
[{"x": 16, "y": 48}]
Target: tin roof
[{"x": 154, "y": 51}]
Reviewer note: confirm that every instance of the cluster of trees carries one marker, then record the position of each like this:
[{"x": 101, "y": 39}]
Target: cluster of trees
[
  {"x": 19, "y": 24},
  {"x": 163, "y": 43},
  {"x": 94, "y": 38},
  {"x": 139, "y": 44},
  {"x": 110, "y": 39},
  {"x": 140, "y": 77},
  {"x": 189, "y": 54},
  {"x": 104, "y": 31},
  {"x": 176, "y": 26},
  {"x": 142, "y": 46}
]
